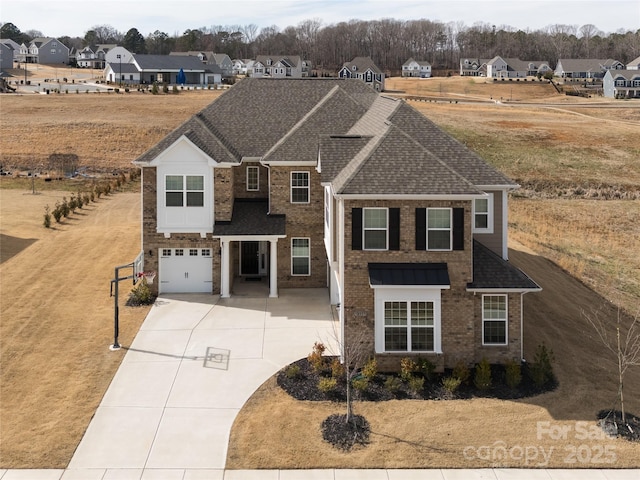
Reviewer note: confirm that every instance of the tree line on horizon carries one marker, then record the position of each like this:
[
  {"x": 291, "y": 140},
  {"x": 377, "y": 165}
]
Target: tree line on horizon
[{"x": 388, "y": 42}]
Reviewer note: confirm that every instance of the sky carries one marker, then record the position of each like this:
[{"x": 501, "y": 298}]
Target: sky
[{"x": 74, "y": 17}]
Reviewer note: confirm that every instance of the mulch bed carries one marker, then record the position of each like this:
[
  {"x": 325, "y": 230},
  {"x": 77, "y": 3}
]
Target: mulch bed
[
  {"x": 611, "y": 423},
  {"x": 304, "y": 386},
  {"x": 345, "y": 435}
]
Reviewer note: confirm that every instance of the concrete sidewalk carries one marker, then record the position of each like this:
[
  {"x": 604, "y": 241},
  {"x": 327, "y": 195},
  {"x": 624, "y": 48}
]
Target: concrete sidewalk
[{"x": 329, "y": 474}]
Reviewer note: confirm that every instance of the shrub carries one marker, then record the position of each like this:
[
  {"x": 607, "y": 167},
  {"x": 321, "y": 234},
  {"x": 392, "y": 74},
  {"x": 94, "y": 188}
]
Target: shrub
[
  {"x": 392, "y": 384},
  {"x": 315, "y": 358},
  {"x": 64, "y": 207},
  {"x": 407, "y": 368},
  {"x": 293, "y": 371},
  {"x": 540, "y": 370},
  {"x": 370, "y": 369},
  {"x": 513, "y": 373},
  {"x": 72, "y": 203},
  {"x": 57, "y": 212},
  {"x": 337, "y": 368},
  {"x": 47, "y": 217},
  {"x": 141, "y": 294},
  {"x": 165, "y": 88},
  {"x": 416, "y": 384},
  {"x": 154, "y": 89},
  {"x": 360, "y": 383},
  {"x": 175, "y": 89},
  {"x": 461, "y": 371},
  {"x": 427, "y": 367},
  {"x": 482, "y": 379},
  {"x": 451, "y": 384},
  {"x": 327, "y": 385}
]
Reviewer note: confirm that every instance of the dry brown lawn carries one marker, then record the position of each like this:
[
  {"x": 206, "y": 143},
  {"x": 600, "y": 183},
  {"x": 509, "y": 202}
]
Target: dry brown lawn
[
  {"x": 57, "y": 320},
  {"x": 57, "y": 317},
  {"x": 105, "y": 130}
]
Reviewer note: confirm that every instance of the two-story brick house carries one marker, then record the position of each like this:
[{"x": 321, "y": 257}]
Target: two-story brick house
[{"x": 343, "y": 188}]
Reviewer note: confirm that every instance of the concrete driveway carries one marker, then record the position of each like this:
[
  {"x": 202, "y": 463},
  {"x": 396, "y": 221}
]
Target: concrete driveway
[{"x": 193, "y": 364}]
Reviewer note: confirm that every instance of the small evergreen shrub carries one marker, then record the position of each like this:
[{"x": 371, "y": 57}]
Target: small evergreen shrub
[
  {"x": 540, "y": 370},
  {"x": 513, "y": 374},
  {"x": 327, "y": 385},
  {"x": 360, "y": 383},
  {"x": 427, "y": 367},
  {"x": 57, "y": 212},
  {"x": 482, "y": 379},
  {"x": 461, "y": 371},
  {"x": 407, "y": 368},
  {"x": 370, "y": 369},
  {"x": 337, "y": 368},
  {"x": 451, "y": 384},
  {"x": 392, "y": 384},
  {"x": 47, "y": 217},
  {"x": 416, "y": 384},
  {"x": 141, "y": 294},
  {"x": 293, "y": 371}
]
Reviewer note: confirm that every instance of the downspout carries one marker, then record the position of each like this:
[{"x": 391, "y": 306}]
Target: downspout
[
  {"x": 269, "y": 186},
  {"x": 522, "y": 294},
  {"x": 341, "y": 282}
]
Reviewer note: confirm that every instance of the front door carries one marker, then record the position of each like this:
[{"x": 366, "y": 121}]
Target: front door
[{"x": 253, "y": 258}]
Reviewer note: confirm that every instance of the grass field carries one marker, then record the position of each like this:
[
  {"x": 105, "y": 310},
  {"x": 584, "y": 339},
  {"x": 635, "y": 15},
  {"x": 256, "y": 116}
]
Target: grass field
[{"x": 54, "y": 356}]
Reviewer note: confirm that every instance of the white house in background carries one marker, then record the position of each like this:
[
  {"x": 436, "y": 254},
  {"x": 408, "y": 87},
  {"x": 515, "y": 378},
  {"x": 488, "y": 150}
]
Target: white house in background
[
  {"x": 414, "y": 68},
  {"x": 118, "y": 55},
  {"x": 239, "y": 66},
  {"x": 93, "y": 56},
  {"x": 634, "y": 64},
  {"x": 149, "y": 69},
  {"x": 621, "y": 84}
]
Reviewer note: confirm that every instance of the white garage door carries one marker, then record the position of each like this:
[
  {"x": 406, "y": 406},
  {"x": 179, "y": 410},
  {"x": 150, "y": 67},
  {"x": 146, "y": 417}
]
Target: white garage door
[{"x": 185, "y": 270}]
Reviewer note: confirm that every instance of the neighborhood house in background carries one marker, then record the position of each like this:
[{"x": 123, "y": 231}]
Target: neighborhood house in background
[{"x": 349, "y": 190}]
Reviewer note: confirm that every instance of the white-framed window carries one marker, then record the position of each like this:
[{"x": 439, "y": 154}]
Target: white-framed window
[
  {"x": 408, "y": 321},
  {"x": 300, "y": 256},
  {"x": 179, "y": 252},
  {"x": 483, "y": 214},
  {"x": 409, "y": 327},
  {"x": 206, "y": 252},
  {"x": 494, "y": 320},
  {"x": 299, "y": 187},
  {"x": 193, "y": 252},
  {"x": 375, "y": 228},
  {"x": 253, "y": 179},
  {"x": 166, "y": 252},
  {"x": 184, "y": 190},
  {"x": 439, "y": 229}
]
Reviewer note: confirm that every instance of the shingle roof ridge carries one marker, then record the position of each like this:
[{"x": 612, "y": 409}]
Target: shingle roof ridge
[
  {"x": 373, "y": 123},
  {"x": 211, "y": 129},
  {"x": 302, "y": 121}
]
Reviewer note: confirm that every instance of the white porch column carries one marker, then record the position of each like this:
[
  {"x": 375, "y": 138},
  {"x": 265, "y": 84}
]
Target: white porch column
[
  {"x": 273, "y": 269},
  {"x": 224, "y": 267}
]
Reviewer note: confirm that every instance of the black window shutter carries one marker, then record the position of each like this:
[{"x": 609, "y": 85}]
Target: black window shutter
[
  {"x": 394, "y": 229},
  {"x": 356, "y": 229},
  {"x": 421, "y": 228},
  {"x": 458, "y": 228}
]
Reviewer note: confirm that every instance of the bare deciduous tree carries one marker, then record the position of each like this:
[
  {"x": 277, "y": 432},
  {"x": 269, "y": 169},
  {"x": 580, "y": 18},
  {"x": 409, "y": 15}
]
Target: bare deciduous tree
[{"x": 621, "y": 341}]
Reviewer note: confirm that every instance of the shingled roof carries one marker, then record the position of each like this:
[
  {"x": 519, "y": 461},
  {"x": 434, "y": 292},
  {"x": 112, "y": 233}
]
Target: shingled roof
[
  {"x": 365, "y": 143},
  {"x": 490, "y": 271}
]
